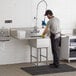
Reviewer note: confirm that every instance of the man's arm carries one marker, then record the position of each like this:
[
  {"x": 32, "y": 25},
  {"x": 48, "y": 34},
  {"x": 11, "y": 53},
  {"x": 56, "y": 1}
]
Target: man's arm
[{"x": 45, "y": 30}]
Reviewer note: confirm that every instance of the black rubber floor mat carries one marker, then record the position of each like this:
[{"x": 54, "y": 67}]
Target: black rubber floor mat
[{"x": 46, "y": 69}]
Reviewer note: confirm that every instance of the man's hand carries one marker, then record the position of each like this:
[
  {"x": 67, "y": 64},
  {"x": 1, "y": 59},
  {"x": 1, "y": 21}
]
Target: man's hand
[{"x": 43, "y": 36}]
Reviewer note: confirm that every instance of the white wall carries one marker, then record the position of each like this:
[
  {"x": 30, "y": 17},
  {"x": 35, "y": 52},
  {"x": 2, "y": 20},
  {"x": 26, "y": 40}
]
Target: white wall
[
  {"x": 14, "y": 51},
  {"x": 22, "y": 13},
  {"x": 19, "y": 11}
]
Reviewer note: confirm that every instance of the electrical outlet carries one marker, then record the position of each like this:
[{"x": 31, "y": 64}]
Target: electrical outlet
[{"x": 8, "y": 21}]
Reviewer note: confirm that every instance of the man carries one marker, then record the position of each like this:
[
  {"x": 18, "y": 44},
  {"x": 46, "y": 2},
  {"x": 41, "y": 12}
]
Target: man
[{"x": 53, "y": 26}]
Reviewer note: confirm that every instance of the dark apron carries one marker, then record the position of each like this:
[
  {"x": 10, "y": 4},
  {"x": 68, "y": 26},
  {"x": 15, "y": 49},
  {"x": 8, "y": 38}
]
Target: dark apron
[{"x": 53, "y": 36}]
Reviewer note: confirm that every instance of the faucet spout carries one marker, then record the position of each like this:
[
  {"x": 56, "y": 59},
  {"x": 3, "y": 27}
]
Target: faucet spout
[{"x": 37, "y": 9}]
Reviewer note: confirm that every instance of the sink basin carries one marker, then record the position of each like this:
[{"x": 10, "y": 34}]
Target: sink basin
[{"x": 39, "y": 43}]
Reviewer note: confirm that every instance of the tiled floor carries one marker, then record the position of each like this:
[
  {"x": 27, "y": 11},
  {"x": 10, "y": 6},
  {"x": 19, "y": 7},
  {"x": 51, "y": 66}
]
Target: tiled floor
[{"x": 14, "y": 70}]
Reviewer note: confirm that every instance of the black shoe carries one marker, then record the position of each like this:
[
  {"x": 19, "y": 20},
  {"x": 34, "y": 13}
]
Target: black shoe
[
  {"x": 53, "y": 65},
  {"x": 56, "y": 66}
]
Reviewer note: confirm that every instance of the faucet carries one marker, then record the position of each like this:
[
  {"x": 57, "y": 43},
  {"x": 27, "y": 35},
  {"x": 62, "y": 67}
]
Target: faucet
[
  {"x": 37, "y": 9},
  {"x": 43, "y": 22},
  {"x": 35, "y": 30}
]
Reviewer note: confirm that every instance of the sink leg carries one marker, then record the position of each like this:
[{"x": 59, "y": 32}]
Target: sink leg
[
  {"x": 46, "y": 55},
  {"x": 37, "y": 57},
  {"x": 40, "y": 54},
  {"x": 30, "y": 54}
]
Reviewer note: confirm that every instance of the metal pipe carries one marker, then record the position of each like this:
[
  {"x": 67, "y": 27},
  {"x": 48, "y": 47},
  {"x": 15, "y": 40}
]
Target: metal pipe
[{"x": 37, "y": 8}]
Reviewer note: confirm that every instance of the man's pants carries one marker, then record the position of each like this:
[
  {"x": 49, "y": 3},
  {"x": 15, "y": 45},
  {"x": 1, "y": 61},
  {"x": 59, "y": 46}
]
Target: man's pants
[{"x": 55, "y": 49}]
